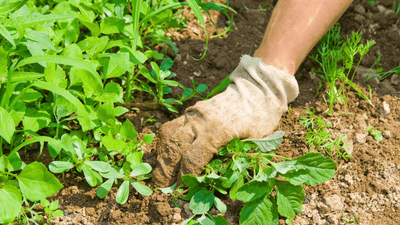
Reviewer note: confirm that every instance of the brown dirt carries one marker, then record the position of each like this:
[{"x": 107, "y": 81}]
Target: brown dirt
[{"x": 366, "y": 185}]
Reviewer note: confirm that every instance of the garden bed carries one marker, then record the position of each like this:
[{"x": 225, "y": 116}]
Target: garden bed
[{"x": 365, "y": 188}]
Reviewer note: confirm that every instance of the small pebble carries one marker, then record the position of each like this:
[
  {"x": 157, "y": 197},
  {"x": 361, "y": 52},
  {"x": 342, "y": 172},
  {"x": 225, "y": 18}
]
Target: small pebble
[{"x": 359, "y": 9}]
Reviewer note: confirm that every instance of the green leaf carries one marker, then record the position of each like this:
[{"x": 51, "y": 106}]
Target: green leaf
[
  {"x": 39, "y": 18},
  {"x": 54, "y": 205},
  {"x": 73, "y": 51},
  {"x": 117, "y": 65},
  {"x": 112, "y": 174},
  {"x": 235, "y": 187},
  {"x": 148, "y": 138},
  {"x": 261, "y": 211},
  {"x": 36, "y": 119},
  {"x": 289, "y": 198},
  {"x": 31, "y": 96},
  {"x": 60, "y": 166},
  {"x": 203, "y": 220},
  {"x": 139, "y": 57},
  {"x": 254, "y": 189},
  {"x": 36, "y": 182},
  {"x": 55, "y": 75},
  {"x": 128, "y": 131},
  {"x": 166, "y": 64},
  {"x": 123, "y": 192},
  {"x": 10, "y": 203},
  {"x": 89, "y": 175},
  {"x": 141, "y": 188},
  {"x": 220, "y": 205},
  {"x": 113, "y": 144},
  {"x": 141, "y": 169},
  {"x": 112, "y": 25},
  {"x": 271, "y": 142},
  {"x": 7, "y": 125},
  {"x": 202, "y": 201},
  {"x": 190, "y": 180},
  {"x": 99, "y": 166},
  {"x": 92, "y": 76},
  {"x": 58, "y": 213},
  {"x": 168, "y": 190},
  {"x": 119, "y": 111},
  {"x": 112, "y": 92},
  {"x": 81, "y": 111},
  {"x": 201, "y": 88},
  {"x": 105, "y": 188},
  {"x": 219, "y": 220},
  {"x": 171, "y": 108},
  {"x": 105, "y": 113},
  {"x": 3, "y": 163},
  {"x": 4, "y": 32},
  {"x": 318, "y": 169}
]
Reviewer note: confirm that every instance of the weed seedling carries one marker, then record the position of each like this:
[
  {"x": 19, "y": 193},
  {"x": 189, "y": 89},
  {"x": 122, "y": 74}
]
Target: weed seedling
[
  {"x": 375, "y": 133},
  {"x": 321, "y": 139}
]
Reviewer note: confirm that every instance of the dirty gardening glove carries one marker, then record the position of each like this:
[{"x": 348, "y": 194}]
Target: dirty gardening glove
[{"x": 250, "y": 107}]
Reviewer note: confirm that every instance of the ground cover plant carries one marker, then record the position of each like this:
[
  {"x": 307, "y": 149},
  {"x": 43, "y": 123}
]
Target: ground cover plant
[
  {"x": 64, "y": 69},
  {"x": 249, "y": 172}
]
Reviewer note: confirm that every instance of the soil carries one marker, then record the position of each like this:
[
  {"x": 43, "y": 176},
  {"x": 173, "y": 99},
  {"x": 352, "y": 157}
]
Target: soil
[{"x": 367, "y": 185}]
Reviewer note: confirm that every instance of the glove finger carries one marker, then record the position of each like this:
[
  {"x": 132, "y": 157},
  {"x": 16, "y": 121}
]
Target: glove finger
[
  {"x": 172, "y": 144},
  {"x": 196, "y": 157}
]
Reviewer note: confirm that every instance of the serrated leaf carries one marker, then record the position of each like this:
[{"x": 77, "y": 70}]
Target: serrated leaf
[
  {"x": 254, "y": 189},
  {"x": 123, "y": 192},
  {"x": 7, "y": 125},
  {"x": 99, "y": 166},
  {"x": 261, "y": 211},
  {"x": 60, "y": 166},
  {"x": 36, "y": 182},
  {"x": 271, "y": 142},
  {"x": 10, "y": 203},
  {"x": 202, "y": 201},
  {"x": 141, "y": 188},
  {"x": 103, "y": 190},
  {"x": 289, "y": 198},
  {"x": 315, "y": 167},
  {"x": 128, "y": 131}
]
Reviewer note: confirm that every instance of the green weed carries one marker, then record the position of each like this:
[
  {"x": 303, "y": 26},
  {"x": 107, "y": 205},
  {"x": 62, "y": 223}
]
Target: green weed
[
  {"x": 246, "y": 171},
  {"x": 67, "y": 69},
  {"x": 375, "y": 133},
  {"x": 321, "y": 139},
  {"x": 336, "y": 59}
]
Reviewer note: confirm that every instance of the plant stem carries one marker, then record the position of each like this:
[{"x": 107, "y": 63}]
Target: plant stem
[{"x": 255, "y": 155}]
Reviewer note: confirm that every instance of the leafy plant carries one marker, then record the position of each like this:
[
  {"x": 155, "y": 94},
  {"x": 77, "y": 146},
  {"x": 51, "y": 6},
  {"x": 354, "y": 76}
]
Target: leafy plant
[
  {"x": 251, "y": 172},
  {"x": 64, "y": 66},
  {"x": 319, "y": 138},
  {"x": 336, "y": 59},
  {"x": 374, "y": 133}
]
